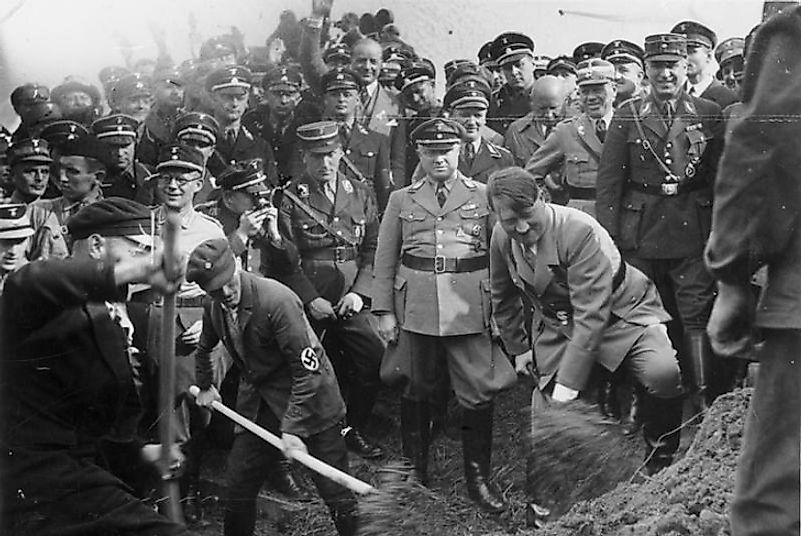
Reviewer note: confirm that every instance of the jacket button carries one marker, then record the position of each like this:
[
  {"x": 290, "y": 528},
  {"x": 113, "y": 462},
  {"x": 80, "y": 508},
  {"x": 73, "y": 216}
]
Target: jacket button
[
  {"x": 439, "y": 218},
  {"x": 336, "y": 218}
]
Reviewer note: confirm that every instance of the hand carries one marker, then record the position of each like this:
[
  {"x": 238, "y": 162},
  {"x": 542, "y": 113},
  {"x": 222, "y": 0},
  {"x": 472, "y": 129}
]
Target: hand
[
  {"x": 250, "y": 222},
  {"x": 271, "y": 224},
  {"x": 730, "y": 323},
  {"x": 524, "y": 363},
  {"x": 552, "y": 184},
  {"x": 563, "y": 394},
  {"x": 192, "y": 334},
  {"x": 388, "y": 328},
  {"x": 321, "y": 8},
  {"x": 206, "y": 397},
  {"x": 151, "y": 453},
  {"x": 292, "y": 442},
  {"x": 350, "y": 304},
  {"x": 321, "y": 309}
]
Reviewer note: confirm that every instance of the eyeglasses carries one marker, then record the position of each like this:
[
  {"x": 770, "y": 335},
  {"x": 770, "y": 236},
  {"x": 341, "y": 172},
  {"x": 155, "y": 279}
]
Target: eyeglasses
[{"x": 180, "y": 179}]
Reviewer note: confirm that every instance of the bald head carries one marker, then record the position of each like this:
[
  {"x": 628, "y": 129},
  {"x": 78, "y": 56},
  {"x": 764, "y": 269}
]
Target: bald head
[
  {"x": 366, "y": 59},
  {"x": 547, "y": 98}
]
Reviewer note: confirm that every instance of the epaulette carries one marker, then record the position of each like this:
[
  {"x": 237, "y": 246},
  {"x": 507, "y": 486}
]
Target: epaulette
[
  {"x": 469, "y": 183},
  {"x": 417, "y": 185},
  {"x": 632, "y": 100},
  {"x": 496, "y": 151},
  {"x": 213, "y": 220},
  {"x": 206, "y": 206},
  {"x": 247, "y": 133},
  {"x": 362, "y": 129}
]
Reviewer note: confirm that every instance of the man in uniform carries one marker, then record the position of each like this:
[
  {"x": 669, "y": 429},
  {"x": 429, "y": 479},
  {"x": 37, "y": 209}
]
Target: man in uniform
[
  {"x": 276, "y": 121},
  {"x": 527, "y": 134},
  {"x": 731, "y": 57},
  {"x": 15, "y": 236},
  {"x": 701, "y": 82},
  {"x": 333, "y": 223},
  {"x": 125, "y": 176},
  {"x": 77, "y": 101},
  {"x": 591, "y": 306},
  {"x": 27, "y": 101},
  {"x": 30, "y": 163},
  {"x": 562, "y": 67},
  {"x": 467, "y": 104},
  {"x": 416, "y": 86},
  {"x": 200, "y": 131},
  {"x": 627, "y": 59},
  {"x": 573, "y": 149},
  {"x": 756, "y": 224},
  {"x": 655, "y": 196},
  {"x": 587, "y": 51},
  {"x": 132, "y": 95},
  {"x": 229, "y": 88},
  {"x": 68, "y": 380},
  {"x": 168, "y": 98},
  {"x": 513, "y": 53},
  {"x": 431, "y": 293}
]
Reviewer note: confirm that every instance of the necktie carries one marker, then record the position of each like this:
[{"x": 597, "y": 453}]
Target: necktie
[
  {"x": 230, "y": 136},
  {"x": 330, "y": 191},
  {"x": 469, "y": 153},
  {"x": 344, "y": 134},
  {"x": 692, "y": 90},
  {"x": 600, "y": 130},
  {"x": 442, "y": 194}
]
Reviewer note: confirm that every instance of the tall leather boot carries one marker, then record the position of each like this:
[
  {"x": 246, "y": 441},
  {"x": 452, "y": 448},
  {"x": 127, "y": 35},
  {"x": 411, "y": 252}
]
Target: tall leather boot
[
  {"x": 283, "y": 481},
  {"x": 607, "y": 395},
  {"x": 477, "y": 452},
  {"x": 345, "y": 519},
  {"x": 661, "y": 422},
  {"x": 360, "y": 407},
  {"x": 699, "y": 353},
  {"x": 415, "y": 436}
]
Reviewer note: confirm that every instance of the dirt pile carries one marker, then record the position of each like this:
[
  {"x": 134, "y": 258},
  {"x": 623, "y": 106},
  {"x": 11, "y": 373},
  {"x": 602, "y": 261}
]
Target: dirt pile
[{"x": 690, "y": 498}]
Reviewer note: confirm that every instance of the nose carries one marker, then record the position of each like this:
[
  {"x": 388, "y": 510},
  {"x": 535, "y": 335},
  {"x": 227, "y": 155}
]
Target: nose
[{"x": 515, "y": 70}]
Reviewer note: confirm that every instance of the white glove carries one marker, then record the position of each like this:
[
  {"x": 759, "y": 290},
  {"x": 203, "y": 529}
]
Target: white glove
[
  {"x": 350, "y": 304},
  {"x": 563, "y": 394}
]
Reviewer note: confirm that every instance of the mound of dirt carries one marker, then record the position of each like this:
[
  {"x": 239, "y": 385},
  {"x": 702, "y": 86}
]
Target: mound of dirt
[{"x": 690, "y": 498}]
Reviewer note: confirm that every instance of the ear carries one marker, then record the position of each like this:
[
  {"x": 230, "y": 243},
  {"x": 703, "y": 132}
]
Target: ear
[
  {"x": 100, "y": 176},
  {"x": 96, "y": 246}
]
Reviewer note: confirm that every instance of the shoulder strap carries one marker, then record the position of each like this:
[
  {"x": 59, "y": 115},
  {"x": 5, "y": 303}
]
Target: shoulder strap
[
  {"x": 590, "y": 151},
  {"x": 645, "y": 141},
  {"x": 340, "y": 234},
  {"x": 353, "y": 169}
]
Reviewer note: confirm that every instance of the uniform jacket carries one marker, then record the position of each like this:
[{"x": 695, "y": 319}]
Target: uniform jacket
[
  {"x": 658, "y": 226},
  {"x": 245, "y": 147},
  {"x": 67, "y": 378},
  {"x": 353, "y": 215},
  {"x": 156, "y": 133},
  {"x": 488, "y": 158},
  {"x": 283, "y": 141},
  {"x": 130, "y": 184},
  {"x": 509, "y": 104},
  {"x": 369, "y": 152},
  {"x": 523, "y": 137},
  {"x": 278, "y": 353},
  {"x": 414, "y": 223},
  {"x": 719, "y": 94},
  {"x": 569, "y": 282},
  {"x": 756, "y": 219},
  {"x": 48, "y": 219}
]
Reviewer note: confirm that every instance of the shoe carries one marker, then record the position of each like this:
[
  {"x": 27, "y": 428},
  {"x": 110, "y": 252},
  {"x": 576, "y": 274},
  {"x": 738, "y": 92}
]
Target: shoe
[
  {"x": 477, "y": 452},
  {"x": 416, "y": 438},
  {"x": 284, "y": 482},
  {"x": 358, "y": 444}
]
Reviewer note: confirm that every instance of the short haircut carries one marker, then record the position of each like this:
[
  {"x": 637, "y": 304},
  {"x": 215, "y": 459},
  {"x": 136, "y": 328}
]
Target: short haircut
[{"x": 514, "y": 184}]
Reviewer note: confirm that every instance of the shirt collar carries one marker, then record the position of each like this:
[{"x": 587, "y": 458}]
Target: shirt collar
[
  {"x": 701, "y": 86},
  {"x": 448, "y": 183},
  {"x": 372, "y": 88}
]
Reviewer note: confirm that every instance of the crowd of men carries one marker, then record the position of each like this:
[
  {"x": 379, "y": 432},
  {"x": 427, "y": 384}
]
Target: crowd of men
[{"x": 341, "y": 228}]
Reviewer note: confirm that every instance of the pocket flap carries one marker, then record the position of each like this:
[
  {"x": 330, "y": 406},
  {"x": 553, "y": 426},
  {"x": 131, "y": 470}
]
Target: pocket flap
[
  {"x": 400, "y": 282},
  {"x": 634, "y": 204},
  {"x": 412, "y": 215},
  {"x": 474, "y": 212}
]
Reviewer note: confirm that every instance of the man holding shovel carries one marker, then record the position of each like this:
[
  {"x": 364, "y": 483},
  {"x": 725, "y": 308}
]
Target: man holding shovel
[{"x": 262, "y": 325}]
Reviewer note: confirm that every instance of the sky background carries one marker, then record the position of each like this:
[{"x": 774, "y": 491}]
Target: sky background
[{"x": 45, "y": 40}]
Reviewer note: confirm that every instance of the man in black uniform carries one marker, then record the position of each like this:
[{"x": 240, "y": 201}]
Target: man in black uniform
[
  {"x": 125, "y": 175},
  {"x": 333, "y": 222},
  {"x": 654, "y": 197},
  {"x": 416, "y": 87},
  {"x": 514, "y": 53},
  {"x": 68, "y": 379},
  {"x": 295, "y": 393},
  {"x": 701, "y": 82}
]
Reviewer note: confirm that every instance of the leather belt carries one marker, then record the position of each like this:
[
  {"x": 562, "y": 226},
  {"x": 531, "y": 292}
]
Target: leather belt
[
  {"x": 441, "y": 264},
  {"x": 575, "y": 192},
  {"x": 335, "y": 254},
  {"x": 668, "y": 189}
]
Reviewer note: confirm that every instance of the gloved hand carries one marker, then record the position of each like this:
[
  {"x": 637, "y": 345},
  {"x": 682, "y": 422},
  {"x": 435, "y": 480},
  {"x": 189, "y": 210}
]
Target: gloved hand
[
  {"x": 563, "y": 394},
  {"x": 350, "y": 304},
  {"x": 731, "y": 320},
  {"x": 292, "y": 442}
]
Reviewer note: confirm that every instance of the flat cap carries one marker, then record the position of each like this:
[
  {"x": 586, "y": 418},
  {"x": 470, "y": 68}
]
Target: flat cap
[
  {"x": 564, "y": 63},
  {"x": 697, "y": 34},
  {"x": 438, "y": 133},
  {"x": 29, "y": 150},
  {"x": 132, "y": 85},
  {"x": 288, "y": 78},
  {"x": 28, "y": 94},
  {"x": 319, "y": 137},
  {"x": 14, "y": 222},
  {"x": 180, "y": 155},
  {"x": 413, "y": 74},
  {"x": 196, "y": 126},
  {"x": 729, "y": 49},
  {"x": 113, "y": 216},
  {"x": 586, "y": 51},
  {"x": 116, "y": 129},
  {"x": 246, "y": 175},
  {"x": 666, "y": 46},
  {"x": 622, "y": 51},
  {"x": 235, "y": 77},
  {"x": 211, "y": 265},
  {"x": 341, "y": 78},
  {"x": 469, "y": 94},
  {"x": 595, "y": 71},
  {"x": 337, "y": 53},
  {"x": 510, "y": 46},
  {"x": 58, "y": 132}
]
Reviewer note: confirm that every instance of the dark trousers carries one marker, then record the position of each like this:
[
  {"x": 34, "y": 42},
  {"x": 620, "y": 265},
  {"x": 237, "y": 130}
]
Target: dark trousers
[
  {"x": 766, "y": 492},
  {"x": 251, "y": 459},
  {"x": 355, "y": 351}
]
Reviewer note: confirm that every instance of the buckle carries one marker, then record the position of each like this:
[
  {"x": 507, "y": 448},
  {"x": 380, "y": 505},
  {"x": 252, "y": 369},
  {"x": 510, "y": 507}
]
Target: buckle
[
  {"x": 439, "y": 264},
  {"x": 670, "y": 188},
  {"x": 339, "y": 254},
  {"x": 563, "y": 317}
]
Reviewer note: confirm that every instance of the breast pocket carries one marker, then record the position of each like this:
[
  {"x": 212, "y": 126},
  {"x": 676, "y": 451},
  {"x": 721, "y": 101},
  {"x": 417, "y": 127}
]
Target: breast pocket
[
  {"x": 364, "y": 160},
  {"x": 412, "y": 221},
  {"x": 631, "y": 216},
  {"x": 473, "y": 225},
  {"x": 698, "y": 141},
  {"x": 577, "y": 165}
]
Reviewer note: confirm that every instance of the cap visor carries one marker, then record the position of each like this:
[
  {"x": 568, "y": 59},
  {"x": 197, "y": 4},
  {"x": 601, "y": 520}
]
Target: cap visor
[
  {"x": 439, "y": 145},
  {"x": 36, "y": 158},
  {"x": 323, "y": 148},
  {"x": 334, "y": 86},
  {"x": 665, "y": 57},
  {"x": 283, "y": 85},
  {"x": 16, "y": 234},
  {"x": 513, "y": 56},
  {"x": 218, "y": 281},
  {"x": 121, "y": 141}
]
